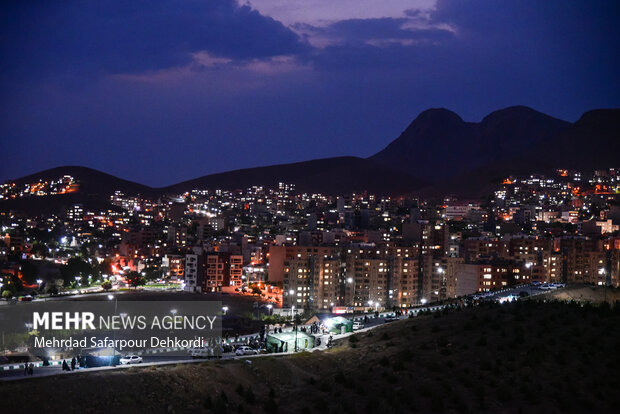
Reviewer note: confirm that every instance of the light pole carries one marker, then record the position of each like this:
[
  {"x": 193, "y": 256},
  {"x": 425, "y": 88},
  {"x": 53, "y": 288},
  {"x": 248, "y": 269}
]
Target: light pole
[
  {"x": 295, "y": 326},
  {"x": 529, "y": 266},
  {"x": 225, "y": 309},
  {"x": 602, "y": 273},
  {"x": 269, "y": 306},
  {"x": 110, "y": 297},
  {"x": 351, "y": 280},
  {"x": 441, "y": 272}
]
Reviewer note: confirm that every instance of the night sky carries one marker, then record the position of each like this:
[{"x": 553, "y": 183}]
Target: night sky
[{"x": 162, "y": 91}]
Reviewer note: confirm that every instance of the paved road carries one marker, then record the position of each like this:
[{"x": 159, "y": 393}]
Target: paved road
[{"x": 183, "y": 357}]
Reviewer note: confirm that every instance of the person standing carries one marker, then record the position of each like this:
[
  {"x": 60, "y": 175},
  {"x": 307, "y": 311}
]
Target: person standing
[
  {"x": 31, "y": 369},
  {"x": 72, "y": 363}
]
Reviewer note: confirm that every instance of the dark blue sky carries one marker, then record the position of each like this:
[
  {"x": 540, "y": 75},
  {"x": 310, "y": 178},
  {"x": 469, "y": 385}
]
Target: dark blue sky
[{"x": 166, "y": 90}]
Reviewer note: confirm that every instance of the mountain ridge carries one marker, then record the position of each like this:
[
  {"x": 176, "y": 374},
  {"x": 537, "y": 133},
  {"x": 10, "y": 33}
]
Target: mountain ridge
[{"x": 438, "y": 152}]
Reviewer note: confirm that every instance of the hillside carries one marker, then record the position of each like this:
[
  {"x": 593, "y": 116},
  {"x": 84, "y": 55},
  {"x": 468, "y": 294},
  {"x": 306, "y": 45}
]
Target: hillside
[
  {"x": 439, "y": 145},
  {"x": 437, "y": 154},
  {"x": 334, "y": 176},
  {"x": 470, "y": 158},
  {"x": 331, "y": 176},
  {"x": 92, "y": 182},
  {"x": 95, "y": 188},
  {"x": 528, "y": 356}
]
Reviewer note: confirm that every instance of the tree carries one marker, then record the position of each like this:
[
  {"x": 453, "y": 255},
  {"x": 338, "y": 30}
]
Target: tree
[
  {"x": 75, "y": 267},
  {"x": 40, "y": 250},
  {"x": 30, "y": 271},
  {"x": 106, "y": 285},
  {"x": 135, "y": 279},
  {"x": 7, "y": 294},
  {"x": 11, "y": 283},
  {"x": 52, "y": 290},
  {"x": 151, "y": 273},
  {"x": 256, "y": 290}
]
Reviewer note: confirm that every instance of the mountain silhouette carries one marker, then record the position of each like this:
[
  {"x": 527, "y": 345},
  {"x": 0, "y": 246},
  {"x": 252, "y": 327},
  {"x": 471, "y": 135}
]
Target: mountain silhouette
[{"x": 438, "y": 153}]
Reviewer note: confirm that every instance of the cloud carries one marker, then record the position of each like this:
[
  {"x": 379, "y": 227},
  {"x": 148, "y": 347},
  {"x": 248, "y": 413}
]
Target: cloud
[
  {"x": 196, "y": 81},
  {"x": 114, "y": 36}
]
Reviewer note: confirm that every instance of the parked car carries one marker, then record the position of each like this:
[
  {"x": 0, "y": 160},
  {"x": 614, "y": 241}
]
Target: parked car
[
  {"x": 358, "y": 325},
  {"x": 245, "y": 350},
  {"x": 201, "y": 352},
  {"x": 390, "y": 318},
  {"x": 131, "y": 359}
]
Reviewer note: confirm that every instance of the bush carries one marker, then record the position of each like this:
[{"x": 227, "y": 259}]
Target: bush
[
  {"x": 437, "y": 405},
  {"x": 270, "y": 406},
  {"x": 249, "y": 396}
]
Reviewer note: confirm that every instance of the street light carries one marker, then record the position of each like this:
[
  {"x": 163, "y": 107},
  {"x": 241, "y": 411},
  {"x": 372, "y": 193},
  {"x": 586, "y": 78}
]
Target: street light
[
  {"x": 423, "y": 301},
  {"x": 529, "y": 265},
  {"x": 295, "y": 327},
  {"x": 602, "y": 273},
  {"x": 352, "y": 281},
  {"x": 110, "y": 297},
  {"x": 269, "y": 306},
  {"x": 225, "y": 309}
]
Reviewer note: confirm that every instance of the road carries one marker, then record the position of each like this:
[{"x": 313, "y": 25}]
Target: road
[{"x": 180, "y": 357}]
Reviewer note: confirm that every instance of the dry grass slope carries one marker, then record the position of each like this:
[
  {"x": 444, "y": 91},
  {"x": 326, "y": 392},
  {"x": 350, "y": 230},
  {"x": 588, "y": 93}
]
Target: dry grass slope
[{"x": 531, "y": 356}]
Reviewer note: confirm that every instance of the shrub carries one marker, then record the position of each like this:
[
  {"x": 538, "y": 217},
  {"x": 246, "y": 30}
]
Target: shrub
[
  {"x": 249, "y": 396},
  {"x": 437, "y": 405},
  {"x": 270, "y": 406}
]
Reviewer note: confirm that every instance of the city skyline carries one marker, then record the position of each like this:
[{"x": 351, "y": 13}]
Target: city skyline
[{"x": 310, "y": 206}]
